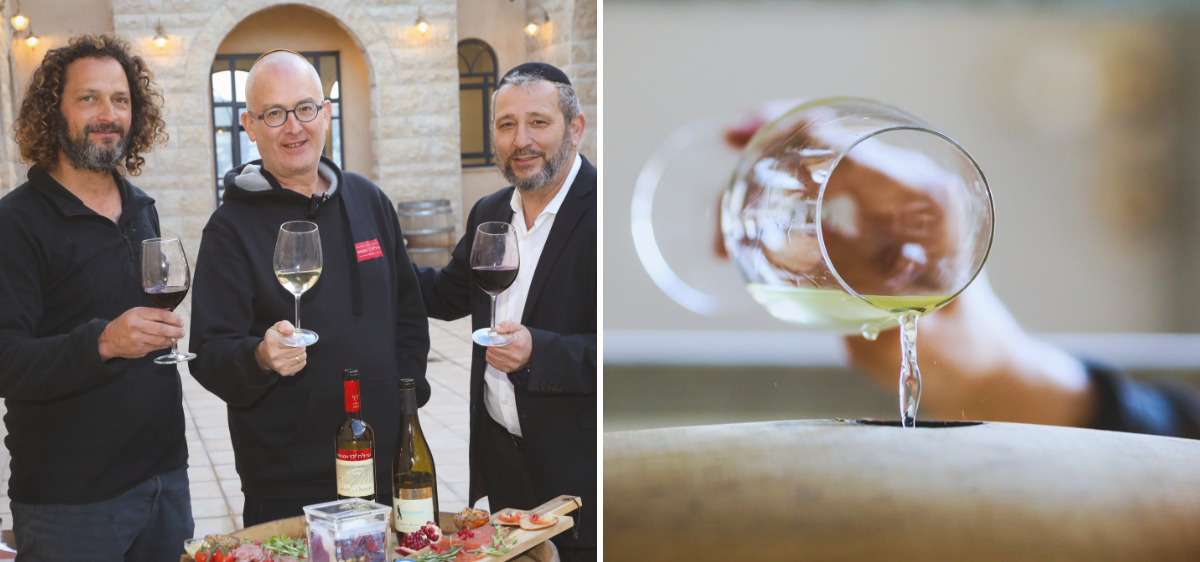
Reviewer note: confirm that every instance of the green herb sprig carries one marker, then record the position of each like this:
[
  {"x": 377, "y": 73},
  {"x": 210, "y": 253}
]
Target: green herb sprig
[{"x": 432, "y": 556}]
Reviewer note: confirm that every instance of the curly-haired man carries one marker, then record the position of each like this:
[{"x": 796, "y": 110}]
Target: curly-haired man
[{"x": 95, "y": 427}]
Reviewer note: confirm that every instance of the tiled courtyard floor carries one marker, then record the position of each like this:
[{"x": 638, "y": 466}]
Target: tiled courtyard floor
[{"x": 216, "y": 489}]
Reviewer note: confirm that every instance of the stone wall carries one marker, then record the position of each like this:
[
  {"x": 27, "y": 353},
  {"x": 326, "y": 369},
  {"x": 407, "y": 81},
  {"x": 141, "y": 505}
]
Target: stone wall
[
  {"x": 9, "y": 153},
  {"x": 568, "y": 41},
  {"x": 413, "y": 81}
]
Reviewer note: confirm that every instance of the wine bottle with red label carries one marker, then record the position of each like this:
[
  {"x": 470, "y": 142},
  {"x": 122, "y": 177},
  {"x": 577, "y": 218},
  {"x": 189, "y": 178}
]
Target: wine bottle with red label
[
  {"x": 355, "y": 443},
  {"x": 414, "y": 480}
]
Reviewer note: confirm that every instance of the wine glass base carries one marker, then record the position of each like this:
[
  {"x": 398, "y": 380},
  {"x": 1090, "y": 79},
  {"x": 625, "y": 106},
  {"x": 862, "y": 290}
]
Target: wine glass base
[
  {"x": 487, "y": 338},
  {"x": 300, "y": 338},
  {"x": 173, "y": 358}
]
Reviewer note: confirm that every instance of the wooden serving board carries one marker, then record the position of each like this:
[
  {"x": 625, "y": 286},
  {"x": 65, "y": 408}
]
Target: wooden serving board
[{"x": 526, "y": 540}]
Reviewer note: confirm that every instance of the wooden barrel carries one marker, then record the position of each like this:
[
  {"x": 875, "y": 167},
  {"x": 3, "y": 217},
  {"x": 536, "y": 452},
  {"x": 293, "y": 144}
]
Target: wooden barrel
[
  {"x": 428, "y": 228},
  {"x": 834, "y": 490}
]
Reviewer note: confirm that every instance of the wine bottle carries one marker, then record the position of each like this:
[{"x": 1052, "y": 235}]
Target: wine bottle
[
  {"x": 414, "y": 479},
  {"x": 355, "y": 443}
]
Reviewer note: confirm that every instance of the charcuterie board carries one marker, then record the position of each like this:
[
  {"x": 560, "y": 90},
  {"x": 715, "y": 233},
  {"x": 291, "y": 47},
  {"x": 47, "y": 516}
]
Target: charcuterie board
[{"x": 527, "y": 539}]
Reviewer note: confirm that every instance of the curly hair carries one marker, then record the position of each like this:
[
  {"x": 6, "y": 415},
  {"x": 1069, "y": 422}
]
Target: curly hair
[{"x": 41, "y": 114}]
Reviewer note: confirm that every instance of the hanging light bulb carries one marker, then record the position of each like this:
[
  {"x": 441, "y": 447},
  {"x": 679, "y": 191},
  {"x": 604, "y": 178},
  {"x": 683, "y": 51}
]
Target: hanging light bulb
[
  {"x": 161, "y": 38},
  {"x": 32, "y": 41},
  {"x": 422, "y": 25},
  {"x": 20, "y": 22},
  {"x": 531, "y": 29}
]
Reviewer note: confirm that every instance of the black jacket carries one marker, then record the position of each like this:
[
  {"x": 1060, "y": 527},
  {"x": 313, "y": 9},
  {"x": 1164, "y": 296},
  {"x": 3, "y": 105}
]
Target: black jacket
[
  {"x": 368, "y": 315},
  {"x": 556, "y": 395},
  {"x": 80, "y": 430}
]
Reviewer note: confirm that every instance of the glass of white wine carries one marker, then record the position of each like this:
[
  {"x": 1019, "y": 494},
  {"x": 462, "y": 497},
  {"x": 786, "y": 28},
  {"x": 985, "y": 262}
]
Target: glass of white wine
[
  {"x": 847, "y": 215},
  {"x": 298, "y": 266}
]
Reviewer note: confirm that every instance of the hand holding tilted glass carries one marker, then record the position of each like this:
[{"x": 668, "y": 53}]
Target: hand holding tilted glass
[
  {"x": 850, "y": 216},
  {"x": 495, "y": 262},
  {"x": 298, "y": 266}
]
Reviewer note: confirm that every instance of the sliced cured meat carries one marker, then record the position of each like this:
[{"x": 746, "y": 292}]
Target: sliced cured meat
[{"x": 509, "y": 518}]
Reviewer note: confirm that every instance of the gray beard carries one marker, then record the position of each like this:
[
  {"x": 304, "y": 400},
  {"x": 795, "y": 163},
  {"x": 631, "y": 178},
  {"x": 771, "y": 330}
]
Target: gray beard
[
  {"x": 549, "y": 171},
  {"x": 83, "y": 155}
]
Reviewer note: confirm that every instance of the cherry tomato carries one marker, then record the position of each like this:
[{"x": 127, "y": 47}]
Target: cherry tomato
[
  {"x": 220, "y": 556},
  {"x": 201, "y": 556}
]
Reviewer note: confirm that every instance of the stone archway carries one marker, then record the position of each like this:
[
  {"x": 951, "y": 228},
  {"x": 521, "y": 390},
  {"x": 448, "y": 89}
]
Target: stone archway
[{"x": 413, "y": 81}]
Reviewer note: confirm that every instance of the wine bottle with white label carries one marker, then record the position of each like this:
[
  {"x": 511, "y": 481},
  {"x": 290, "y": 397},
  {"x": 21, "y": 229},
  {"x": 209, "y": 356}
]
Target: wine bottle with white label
[
  {"x": 414, "y": 479},
  {"x": 355, "y": 443}
]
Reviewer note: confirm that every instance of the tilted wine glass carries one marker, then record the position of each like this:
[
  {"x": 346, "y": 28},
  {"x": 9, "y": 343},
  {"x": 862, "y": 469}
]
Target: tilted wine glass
[
  {"x": 495, "y": 262},
  {"x": 166, "y": 278},
  {"x": 298, "y": 266},
  {"x": 848, "y": 215}
]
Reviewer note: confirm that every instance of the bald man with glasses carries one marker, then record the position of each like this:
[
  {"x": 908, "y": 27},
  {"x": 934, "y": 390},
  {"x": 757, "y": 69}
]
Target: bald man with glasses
[{"x": 285, "y": 402}]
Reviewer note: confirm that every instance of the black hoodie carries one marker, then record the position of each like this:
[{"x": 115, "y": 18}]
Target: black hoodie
[
  {"x": 366, "y": 308},
  {"x": 80, "y": 430}
]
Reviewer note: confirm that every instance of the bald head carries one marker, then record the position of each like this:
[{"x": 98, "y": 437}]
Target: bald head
[
  {"x": 291, "y": 148},
  {"x": 282, "y": 68}
]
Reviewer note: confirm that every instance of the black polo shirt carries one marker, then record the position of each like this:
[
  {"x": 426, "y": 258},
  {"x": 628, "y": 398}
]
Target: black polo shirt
[{"x": 79, "y": 430}]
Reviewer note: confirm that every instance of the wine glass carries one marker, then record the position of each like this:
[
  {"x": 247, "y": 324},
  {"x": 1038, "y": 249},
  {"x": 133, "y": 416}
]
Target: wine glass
[
  {"x": 495, "y": 263},
  {"x": 297, "y": 266},
  {"x": 851, "y": 216},
  {"x": 166, "y": 278}
]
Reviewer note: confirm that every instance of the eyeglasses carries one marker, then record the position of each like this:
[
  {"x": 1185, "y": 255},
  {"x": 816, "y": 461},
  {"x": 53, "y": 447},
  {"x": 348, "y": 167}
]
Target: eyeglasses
[{"x": 277, "y": 116}]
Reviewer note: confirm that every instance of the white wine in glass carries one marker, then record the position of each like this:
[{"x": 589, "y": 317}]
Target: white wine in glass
[
  {"x": 843, "y": 215},
  {"x": 298, "y": 266},
  {"x": 166, "y": 278}
]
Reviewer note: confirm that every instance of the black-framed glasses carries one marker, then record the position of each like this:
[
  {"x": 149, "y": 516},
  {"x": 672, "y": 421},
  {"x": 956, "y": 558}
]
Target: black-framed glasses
[{"x": 277, "y": 116}]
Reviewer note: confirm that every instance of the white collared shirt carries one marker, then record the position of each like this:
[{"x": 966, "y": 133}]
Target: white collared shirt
[{"x": 499, "y": 398}]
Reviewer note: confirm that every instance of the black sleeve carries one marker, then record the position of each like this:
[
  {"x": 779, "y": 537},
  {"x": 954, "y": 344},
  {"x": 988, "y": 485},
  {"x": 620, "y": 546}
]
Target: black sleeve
[
  {"x": 222, "y": 315},
  {"x": 447, "y": 292},
  {"x": 565, "y": 364},
  {"x": 33, "y": 368},
  {"x": 1124, "y": 404},
  {"x": 412, "y": 324}
]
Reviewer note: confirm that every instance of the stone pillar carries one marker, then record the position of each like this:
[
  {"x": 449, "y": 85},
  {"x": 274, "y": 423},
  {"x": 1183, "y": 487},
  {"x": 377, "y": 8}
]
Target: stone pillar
[
  {"x": 568, "y": 41},
  {"x": 10, "y": 154}
]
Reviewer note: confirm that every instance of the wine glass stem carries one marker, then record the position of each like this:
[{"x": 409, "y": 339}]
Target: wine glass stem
[
  {"x": 493, "y": 314},
  {"x": 174, "y": 347},
  {"x": 297, "y": 313}
]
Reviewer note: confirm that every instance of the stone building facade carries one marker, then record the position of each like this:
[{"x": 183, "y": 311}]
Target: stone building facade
[{"x": 412, "y": 76}]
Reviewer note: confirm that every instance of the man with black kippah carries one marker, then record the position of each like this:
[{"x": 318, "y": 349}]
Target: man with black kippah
[{"x": 533, "y": 401}]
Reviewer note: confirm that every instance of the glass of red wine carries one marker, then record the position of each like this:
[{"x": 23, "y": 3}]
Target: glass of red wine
[
  {"x": 166, "y": 279},
  {"x": 495, "y": 262}
]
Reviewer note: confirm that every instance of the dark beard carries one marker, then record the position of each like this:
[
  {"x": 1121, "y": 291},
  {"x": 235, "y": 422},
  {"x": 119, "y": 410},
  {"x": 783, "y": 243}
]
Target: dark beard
[
  {"x": 549, "y": 171},
  {"x": 84, "y": 155}
]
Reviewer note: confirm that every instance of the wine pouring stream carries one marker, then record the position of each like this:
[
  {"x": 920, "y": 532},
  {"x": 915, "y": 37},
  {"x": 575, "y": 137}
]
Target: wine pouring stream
[{"x": 842, "y": 215}]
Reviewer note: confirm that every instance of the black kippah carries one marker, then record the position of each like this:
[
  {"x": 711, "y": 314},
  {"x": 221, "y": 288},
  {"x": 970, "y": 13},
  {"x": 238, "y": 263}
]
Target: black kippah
[{"x": 539, "y": 69}]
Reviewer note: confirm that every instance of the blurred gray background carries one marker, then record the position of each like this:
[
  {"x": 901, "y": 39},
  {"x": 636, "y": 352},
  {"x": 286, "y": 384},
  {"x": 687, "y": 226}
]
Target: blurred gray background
[{"x": 1083, "y": 116}]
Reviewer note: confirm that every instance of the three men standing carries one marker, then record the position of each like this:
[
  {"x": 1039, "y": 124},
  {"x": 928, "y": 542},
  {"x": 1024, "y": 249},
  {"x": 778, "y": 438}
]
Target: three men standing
[{"x": 95, "y": 427}]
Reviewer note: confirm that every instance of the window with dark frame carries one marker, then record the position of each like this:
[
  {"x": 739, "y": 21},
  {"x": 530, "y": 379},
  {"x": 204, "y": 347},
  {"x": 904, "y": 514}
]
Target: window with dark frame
[
  {"x": 477, "y": 79},
  {"x": 231, "y": 145}
]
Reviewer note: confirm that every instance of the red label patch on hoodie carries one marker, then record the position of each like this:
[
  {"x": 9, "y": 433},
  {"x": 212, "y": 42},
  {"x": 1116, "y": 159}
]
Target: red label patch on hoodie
[{"x": 368, "y": 250}]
